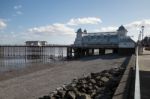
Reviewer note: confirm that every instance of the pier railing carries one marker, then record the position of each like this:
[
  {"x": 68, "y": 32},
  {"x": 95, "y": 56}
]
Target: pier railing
[{"x": 137, "y": 94}]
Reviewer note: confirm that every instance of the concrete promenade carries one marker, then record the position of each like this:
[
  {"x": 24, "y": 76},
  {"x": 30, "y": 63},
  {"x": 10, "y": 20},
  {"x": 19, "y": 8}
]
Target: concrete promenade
[
  {"x": 39, "y": 83},
  {"x": 144, "y": 66}
]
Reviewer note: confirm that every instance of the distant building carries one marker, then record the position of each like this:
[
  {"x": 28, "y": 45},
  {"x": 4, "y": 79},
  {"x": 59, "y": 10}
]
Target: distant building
[
  {"x": 118, "y": 37},
  {"x": 36, "y": 43}
]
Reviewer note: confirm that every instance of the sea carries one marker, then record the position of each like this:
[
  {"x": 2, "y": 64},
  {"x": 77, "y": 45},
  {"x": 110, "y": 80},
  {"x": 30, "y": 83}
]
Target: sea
[{"x": 13, "y": 58}]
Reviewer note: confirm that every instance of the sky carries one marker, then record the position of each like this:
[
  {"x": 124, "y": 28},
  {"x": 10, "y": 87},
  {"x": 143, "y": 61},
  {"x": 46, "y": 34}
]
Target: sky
[{"x": 56, "y": 21}]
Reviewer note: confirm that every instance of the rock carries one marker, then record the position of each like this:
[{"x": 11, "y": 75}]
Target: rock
[
  {"x": 105, "y": 79},
  {"x": 93, "y": 81},
  {"x": 98, "y": 78},
  {"x": 45, "y": 97},
  {"x": 84, "y": 81},
  {"x": 61, "y": 93},
  {"x": 99, "y": 85},
  {"x": 99, "y": 96},
  {"x": 70, "y": 95},
  {"x": 84, "y": 96}
]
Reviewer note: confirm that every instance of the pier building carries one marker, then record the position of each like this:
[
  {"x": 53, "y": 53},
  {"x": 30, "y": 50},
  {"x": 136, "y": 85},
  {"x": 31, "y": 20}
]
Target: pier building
[
  {"x": 34, "y": 49},
  {"x": 36, "y": 43},
  {"x": 85, "y": 43}
]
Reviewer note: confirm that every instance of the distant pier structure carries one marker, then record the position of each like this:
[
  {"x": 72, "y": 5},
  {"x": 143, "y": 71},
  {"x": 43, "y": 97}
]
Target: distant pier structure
[
  {"x": 36, "y": 43},
  {"x": 85, "y": 43},
  {"x": 34, "y": 49}
]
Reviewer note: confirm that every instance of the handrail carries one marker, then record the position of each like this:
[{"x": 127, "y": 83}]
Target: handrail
[{"x": 137, "y": 94}]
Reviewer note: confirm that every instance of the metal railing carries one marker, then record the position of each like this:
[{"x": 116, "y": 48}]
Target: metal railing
[{"x": 137, "y": 94}]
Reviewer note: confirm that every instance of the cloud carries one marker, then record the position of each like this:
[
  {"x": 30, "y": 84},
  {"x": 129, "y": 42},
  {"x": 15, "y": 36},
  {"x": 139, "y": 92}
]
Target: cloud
[
  {"x": 64, "y": 29},
  {"x": 135, "y": 25},
  {"x": 86, "y": 20},
  {"x": 138, "y": 24},
  {"x": 65, "y": 33},
  {"x": 132, "y": 27},
  {"x": 54, "y": 29},
  {"x": 16, "y": 7},
  {"x": 2, "y": 24},
  {"x": 108, "y": 29},
  {"x": 19, "y": 13}
]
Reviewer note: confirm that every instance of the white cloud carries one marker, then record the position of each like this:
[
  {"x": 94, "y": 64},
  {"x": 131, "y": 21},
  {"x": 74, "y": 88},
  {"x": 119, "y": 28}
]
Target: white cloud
[
  {"x": 19, "y": 13},
  {"x": 108, "y": 29},
  {"x": 16, "y": 7},
  {"x": 132, "y": 27},
  {"x": 65, "y": 33},
  {"x": 54, "y": 29},
  {"x": 138, "y": 24},
  {"x": 135, "y": 25},
  {"x": 2, "y": 24},
  {"x": 86, "y": 20}
]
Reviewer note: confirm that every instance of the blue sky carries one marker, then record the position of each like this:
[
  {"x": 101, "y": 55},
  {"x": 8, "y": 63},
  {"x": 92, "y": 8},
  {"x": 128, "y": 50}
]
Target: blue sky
[{"x": 57, "y": 20}]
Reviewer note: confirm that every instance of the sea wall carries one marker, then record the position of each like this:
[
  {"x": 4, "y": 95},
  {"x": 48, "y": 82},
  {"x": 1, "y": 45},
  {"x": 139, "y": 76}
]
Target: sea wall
[{"x": 125, "y": 88}]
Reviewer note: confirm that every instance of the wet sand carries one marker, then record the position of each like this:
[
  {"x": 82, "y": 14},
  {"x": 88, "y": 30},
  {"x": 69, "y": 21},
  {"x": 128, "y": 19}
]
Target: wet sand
[
  {"x": 36, "y": 81},
  {"x": 26, "y": 70}
]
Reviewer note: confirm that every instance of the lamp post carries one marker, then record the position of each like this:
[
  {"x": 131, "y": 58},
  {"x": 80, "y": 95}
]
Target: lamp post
[{"x": 142, "y": 27}]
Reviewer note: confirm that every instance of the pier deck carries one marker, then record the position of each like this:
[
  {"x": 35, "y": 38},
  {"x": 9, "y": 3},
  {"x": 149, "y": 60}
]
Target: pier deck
[
  {"x": 144, "y": 66},
  {"x": 39, "y": 83}
]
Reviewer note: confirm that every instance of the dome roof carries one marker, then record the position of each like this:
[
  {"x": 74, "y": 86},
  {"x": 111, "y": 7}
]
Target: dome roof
[
  {"x": 122, "y": 28},
  {"x": 79, "y": 30}
]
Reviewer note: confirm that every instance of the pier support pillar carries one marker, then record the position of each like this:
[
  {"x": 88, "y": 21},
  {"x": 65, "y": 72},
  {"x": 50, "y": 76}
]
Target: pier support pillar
[
  {"x": 75, "y": 53},
  {"x": 115, "y": 51},
  {"x": 92, "y": 51},
  {"x": 83, "y": 52},
  {"x": 69, "y": 52},
  {"x": 78, "y": 52},
  {"x": 101, "y": 51},
  {"x": 87, "y": 52}
]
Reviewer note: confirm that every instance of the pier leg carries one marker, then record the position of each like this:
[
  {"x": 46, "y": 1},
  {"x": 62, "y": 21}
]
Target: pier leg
[
  {"x": 101, "y": 51},
  {"x": 69, "y": 52},
  {"x": 92, "y": 51},
  {"x": 87, "y": 52},
  {"x": 115, "y": 51}
]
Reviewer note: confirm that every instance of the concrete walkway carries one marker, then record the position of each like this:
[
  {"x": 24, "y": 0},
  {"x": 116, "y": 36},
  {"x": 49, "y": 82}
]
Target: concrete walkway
[
  {"x": 39, "y": 83},
  {"x": 144, "y": 66}
]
